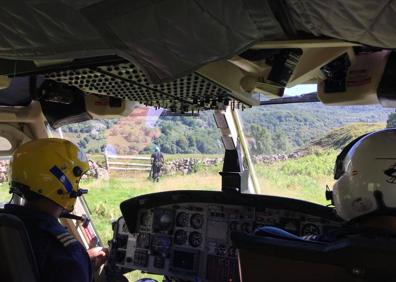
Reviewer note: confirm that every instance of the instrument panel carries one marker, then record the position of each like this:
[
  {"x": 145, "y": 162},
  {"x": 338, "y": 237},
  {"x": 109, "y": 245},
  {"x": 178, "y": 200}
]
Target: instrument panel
[{"x": 190, "y": 240}]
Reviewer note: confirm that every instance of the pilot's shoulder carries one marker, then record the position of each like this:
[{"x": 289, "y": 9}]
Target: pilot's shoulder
[
  {"x": 60, "y": 233},
  {"x": 67, "y": 239}
]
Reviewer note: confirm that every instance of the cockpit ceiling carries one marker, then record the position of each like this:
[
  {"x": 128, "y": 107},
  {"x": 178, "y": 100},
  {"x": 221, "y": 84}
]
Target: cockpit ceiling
[
  {"x": 169, "y": 39},
  {"x": 190, "y": 93}
]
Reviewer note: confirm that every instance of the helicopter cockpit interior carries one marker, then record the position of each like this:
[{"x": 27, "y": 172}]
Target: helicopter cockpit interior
[{"x": 64, "y": 62}]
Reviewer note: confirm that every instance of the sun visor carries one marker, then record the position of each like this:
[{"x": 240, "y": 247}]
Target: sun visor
[{"x": 62, "y": 104}]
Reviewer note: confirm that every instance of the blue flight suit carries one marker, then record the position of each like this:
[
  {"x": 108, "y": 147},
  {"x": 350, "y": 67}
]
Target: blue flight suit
[{"x": 60, "y": 257}]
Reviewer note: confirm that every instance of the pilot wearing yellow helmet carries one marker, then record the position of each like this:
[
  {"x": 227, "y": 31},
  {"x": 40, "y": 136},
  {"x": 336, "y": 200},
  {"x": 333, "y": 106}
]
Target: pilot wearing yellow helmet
[{"x": 46, "y": 173}]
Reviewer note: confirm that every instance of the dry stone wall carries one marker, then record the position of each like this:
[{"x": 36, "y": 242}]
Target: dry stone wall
[
  {"x": 96, "y": 171},
  {"x": 269, "y": 159},
  {"x": 188, "y": 165}
]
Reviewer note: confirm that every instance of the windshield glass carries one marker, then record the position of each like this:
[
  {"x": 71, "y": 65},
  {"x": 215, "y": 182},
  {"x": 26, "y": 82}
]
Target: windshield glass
[
  {"x": 294, "y": 146},
  {"x": 148, "y": 151}
]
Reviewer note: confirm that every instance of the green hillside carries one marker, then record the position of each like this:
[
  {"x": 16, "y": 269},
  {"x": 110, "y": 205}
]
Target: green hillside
[
  {"x": 306, "y": 177},
  {"x": 283, "y": 128},
  {"x": 300, "y": 124},
  {"x": 340, "y": 137}
]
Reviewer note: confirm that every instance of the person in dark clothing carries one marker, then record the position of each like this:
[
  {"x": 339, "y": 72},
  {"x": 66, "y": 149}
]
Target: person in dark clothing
[
  {"x": 46, "y": 173},
  {"x": 157, "y": 161}
]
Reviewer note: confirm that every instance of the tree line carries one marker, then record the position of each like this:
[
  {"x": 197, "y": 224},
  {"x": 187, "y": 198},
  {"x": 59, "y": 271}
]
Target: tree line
[{"x": 268, "y": 130}]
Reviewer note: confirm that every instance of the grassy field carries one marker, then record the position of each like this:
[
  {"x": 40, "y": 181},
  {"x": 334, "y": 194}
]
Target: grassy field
[
  {"x": 304, "y": 178},
  {"x": 104, "y": 197},
  {"x": 4, "y": 194}
]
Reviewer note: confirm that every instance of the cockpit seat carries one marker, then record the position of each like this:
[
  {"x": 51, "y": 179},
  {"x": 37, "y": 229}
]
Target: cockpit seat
[
  {"x": 276, "y": 256},
  {"x": 17, "y": 260}
]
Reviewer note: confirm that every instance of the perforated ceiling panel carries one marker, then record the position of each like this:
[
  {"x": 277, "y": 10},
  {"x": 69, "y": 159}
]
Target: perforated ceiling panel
[{"x": 189, "y": 93}]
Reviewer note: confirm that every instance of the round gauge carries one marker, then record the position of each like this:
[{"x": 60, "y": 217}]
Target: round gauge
[
  {"x": 196, "y": 221},
  {"x": 195, "y": 239},
  {"x": 310, "y": 229},
  {"x": 234, "y": 226},
  {"x": 182, "y": 219},
  {"x": 180, "y": 237},
  {"x": 246, "y": 227}
]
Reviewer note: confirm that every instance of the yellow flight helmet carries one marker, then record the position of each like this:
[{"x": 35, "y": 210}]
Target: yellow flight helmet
[{"x": 49, "y": 167}]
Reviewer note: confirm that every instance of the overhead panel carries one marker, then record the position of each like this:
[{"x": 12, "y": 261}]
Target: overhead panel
[{"x": 192, "y": 92}]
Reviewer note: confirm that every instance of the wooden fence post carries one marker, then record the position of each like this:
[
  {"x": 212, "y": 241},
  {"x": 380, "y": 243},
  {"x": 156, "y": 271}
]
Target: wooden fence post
[{"x": 106, "y": 161}]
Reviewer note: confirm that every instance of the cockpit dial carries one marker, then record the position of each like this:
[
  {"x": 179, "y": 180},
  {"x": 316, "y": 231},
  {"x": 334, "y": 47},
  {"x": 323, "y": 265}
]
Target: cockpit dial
[
  {"x": 196, "y": 221},
  {"x": 195, "y": 239},
  {"x": 182, "y": 219}
]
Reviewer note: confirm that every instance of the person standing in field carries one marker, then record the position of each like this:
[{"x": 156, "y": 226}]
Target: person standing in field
[{"x": 157, "y": 161}]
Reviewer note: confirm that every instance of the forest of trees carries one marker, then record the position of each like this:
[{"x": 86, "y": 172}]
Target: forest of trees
[
  {"x": 269, "y": 129},
  {"x": 391, "y": 122},
  {"x": 189, "y": 135}
]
